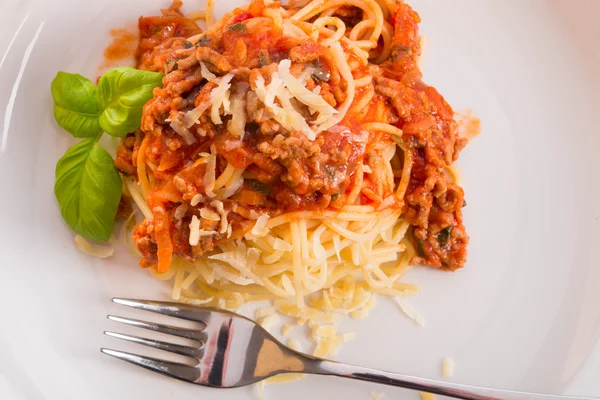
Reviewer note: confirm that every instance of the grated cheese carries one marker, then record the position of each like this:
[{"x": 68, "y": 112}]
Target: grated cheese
[
  {"x": 301, "y": 93},
  {"x": 287, "y": 116},
  {"x": 209, "y": 214},
  {"x": 377, "y": 395},
  {"x": 221, "y": 210},
  {"x": 181, "y": 130},
  {"x": 269, "y": 321},
  {"x": 210, "y": 175},
  {"x": 348, "y": 336},
  {"x": 180, "y": 211},
  {"x": 196, "y": 232},
  {"x": 263, "y": 312},
  {"x": 196, "y": 200},
  {"x": 286, "y": 329},
  {"x": 447, "y": 367},
  {"x": 411, "y": 312},
  {"x": 260, "y": 227},
  {"x": 324, "y": 331},
  {"x": 206, "y": 74},
  {"x": 237, "y": 124},
  {"x": 294, "y": 344},
  {"x": 260, "y": 390},
  {"x": 220, "y": 97}
]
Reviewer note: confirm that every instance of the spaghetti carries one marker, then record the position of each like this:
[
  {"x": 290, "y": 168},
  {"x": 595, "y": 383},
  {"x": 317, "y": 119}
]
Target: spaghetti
[{"x": 293, "y": 154}]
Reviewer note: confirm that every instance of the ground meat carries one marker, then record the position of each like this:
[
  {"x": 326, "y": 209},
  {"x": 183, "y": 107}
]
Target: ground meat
[
  {"x": 190, "y": 181},
  {"x": 311, "y": 166},
  {"x": 145, "y": 242},
  {"x": 214, "y": 61},
  {"x": 124, "y": 209},
  {"x": 124, "y": 159}
]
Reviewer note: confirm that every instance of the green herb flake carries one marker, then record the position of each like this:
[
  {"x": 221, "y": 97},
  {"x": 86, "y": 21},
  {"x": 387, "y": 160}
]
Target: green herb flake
[
  {"x": 260, "y": 187},
  {"x": 204, "y": 40},
  {"x": 330, "y": 171},
  {"x": 444, "y": 236},
  {"x": 335, "y": 196},
  {"x": 398, "y": 49},
  {"x": 420, "y": 250},
  {"x": 320, "y": 75},
  {"x": 187, "y": 45},
  {"x": 238, "y": 27},
  {"x": 262, "y": 59}
]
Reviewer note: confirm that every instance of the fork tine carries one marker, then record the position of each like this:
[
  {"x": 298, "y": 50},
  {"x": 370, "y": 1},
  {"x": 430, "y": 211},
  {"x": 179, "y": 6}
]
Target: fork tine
[
  {"x": 167, "y": 329},
  {"x": 171, "y": 309},
  {"x": 172, "y": 369},
  {"x": 157, "y": 344}
]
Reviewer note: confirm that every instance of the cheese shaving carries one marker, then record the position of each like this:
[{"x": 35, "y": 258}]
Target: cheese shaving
[
  {"x": 181, "y": 130},
  {"x": 196, "y": 232},
  {"x": 411, "y": 312},
  {"x": 269, "y": 321},
  {"x": 219, "y": 96},
  {"x": 206, "y": 74},
  {"x": 288, "y": 117},
  {"x": 237, "y": 124},
  {"x": 377, "y": 395},
  {"x": 180, "y": 211},
  {"x": 301, "y": 93},
  {"x": 209, "y": 214},
  {"x": 294, "y": 344},
  {"x": 211, "y": 172},
  {"x": 447, "y": 367},
  {"x": 260, "y": 227},
  {"x": 197, "y": 199},
  {"x": 223, "y": 214},
  {"x": 286, "y": 329}
]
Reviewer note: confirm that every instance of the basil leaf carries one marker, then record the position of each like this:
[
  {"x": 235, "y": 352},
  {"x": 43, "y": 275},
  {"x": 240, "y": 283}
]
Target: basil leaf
[
  {"x": 330, "y": 171},
  {"x": 262, "y": 59},
  {"x": 75, "y": 106},
  {"x": 122, "y": 93},
  {"x": 238, "y": 27},
  {"x": 88, "y": 189}
]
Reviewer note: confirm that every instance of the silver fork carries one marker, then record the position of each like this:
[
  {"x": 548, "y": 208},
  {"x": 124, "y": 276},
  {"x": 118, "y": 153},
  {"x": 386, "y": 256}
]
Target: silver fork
[{"x": 233, "y": 351}]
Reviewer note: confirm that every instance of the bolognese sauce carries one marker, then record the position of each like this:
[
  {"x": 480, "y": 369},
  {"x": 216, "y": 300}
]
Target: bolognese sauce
[{"x": 284, "y": 170}]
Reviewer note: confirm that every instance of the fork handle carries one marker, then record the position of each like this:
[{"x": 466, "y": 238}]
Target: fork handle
[{"x": 455, "y": 390}]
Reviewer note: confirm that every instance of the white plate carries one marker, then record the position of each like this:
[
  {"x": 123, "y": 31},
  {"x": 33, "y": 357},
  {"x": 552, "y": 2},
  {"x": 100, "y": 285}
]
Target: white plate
[{"x": 524, "y": 313}]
